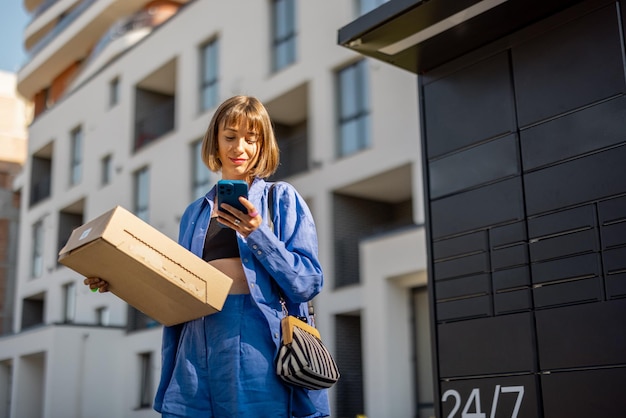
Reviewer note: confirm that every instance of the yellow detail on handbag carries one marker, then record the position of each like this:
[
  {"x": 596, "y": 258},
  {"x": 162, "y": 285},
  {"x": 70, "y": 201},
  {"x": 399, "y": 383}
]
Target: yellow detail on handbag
[{"x": 289, "y": 322}]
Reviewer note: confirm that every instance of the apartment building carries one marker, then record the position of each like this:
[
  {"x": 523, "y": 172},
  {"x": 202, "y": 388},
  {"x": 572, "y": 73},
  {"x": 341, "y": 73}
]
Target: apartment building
[
  {"x": 14, "y": 114},
  {"x": 123, "y": 91}
]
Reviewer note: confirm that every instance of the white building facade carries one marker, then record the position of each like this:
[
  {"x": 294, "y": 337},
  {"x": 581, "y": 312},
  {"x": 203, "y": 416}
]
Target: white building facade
[
  {"x": 118, "y": 117},
  {"x": 14, "y": 118}
]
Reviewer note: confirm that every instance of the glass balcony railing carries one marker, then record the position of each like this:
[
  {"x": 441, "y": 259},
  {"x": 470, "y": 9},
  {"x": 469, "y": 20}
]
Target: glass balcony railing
[
  {"x": 140, "y": 20},
  {"x": 40, "y": 189},
  {"x": 42, "y": 8},
  {"x": 63, "y": 23},
  {"x": 155, "y": 124},
  {"x": 294, "y": 156}
]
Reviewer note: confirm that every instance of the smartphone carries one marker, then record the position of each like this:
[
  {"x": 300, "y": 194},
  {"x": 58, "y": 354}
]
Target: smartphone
[{"x": 228, "y": 191}]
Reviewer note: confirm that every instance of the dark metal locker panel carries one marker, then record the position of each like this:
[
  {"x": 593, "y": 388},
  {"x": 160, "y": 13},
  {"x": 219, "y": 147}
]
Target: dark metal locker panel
[
  {"x": 616, "y": 286},
  {"x": 574, "y": 134},
  {"x": 615, "y": 271},
  {"x": 512, "y": 301},
  {"x": 487, "y": 346},
  {"x": 562, "y": 222},
  {"x": 513, "y": 278},
  {"x": 467, "y": 308},
  {"x": 475, "y": 166},
  {"x": 612, "y": 219},
  {"x": 558, "y": 71},
  {"x": 582, "y": 180},
  {"x": 494, "y": 204},
  {"x": 500, "y": 236},
  {"x": 613, "y": 235},
  {"x": 587, "y": 179},
  {"x": 462, "y": 266},
  {"x": 459, "y": 245},
  {"x": 563, "y": 245},
  {"x": 612, "y": 210},
  {"x": 584, "y": 394},
  {"x": 465, "y": 297},
  {"x": 570, "y": 268},
  {"x": 563, "y": 293},
  {"x": 479, "y": 284},
  {"x": 510, "y": 256},
  {"x": 614, "y": 260},
  {"x": 469, "y": 106},
  {"x": 585, "y": 335}
]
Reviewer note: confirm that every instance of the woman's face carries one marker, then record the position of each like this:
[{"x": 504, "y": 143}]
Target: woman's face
[{"x": 237, "y": 148}]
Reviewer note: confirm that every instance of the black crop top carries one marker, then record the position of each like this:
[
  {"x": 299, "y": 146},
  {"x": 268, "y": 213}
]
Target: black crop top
[{"x": 220, "y": 242}]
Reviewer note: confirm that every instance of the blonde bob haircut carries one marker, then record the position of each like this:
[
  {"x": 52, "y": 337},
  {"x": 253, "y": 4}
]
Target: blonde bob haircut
[{"x": 232, "y": 112}]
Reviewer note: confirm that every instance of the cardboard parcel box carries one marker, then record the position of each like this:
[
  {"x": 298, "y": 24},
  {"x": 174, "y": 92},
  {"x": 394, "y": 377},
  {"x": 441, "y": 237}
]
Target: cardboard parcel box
[{"x": 146, "y": 268}]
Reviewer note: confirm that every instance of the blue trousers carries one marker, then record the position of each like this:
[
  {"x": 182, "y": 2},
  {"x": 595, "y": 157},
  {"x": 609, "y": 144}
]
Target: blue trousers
[{"x": 225, "y": 367}]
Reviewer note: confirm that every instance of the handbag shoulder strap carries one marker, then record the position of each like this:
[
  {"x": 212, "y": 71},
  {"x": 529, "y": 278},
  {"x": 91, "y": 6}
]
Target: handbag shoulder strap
[
  {"x": 270, "y": 206},
  {"x": 270, "y": 221}
]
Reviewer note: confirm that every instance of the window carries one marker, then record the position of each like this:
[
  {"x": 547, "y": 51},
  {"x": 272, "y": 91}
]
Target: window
[
  {"x": 69, "y": 218},
  {"x": 155, "y": 105},
  {"x": 294, "y": 149},
  {"x": 76, "y": 157},
  {"x": 145, "y": 380},
  {"x": 283, "y": 33},
  {"x": 365, "y": 6},
  {"x": 209, "y": 94},
  {"x": 6, "y": 386},
  {"x": 141, "y": 193},
  {"x": 106, "y": 170},
  {"x": 137, "y": 320},
  {"x": 200, "y": 174},
  {"x": 103, "y": 316},
  {"x": 353, "y": 106},
  {"x": 69, "y": 302},
  {"x": 422, "y": 360},
  {"x": 34, "y": 310},
  {"x": 37, "y": 254},
  {"x": 41, "y": 175},
  {"x": 114, "y": 91},
  {"x": 350, "y": 400}
]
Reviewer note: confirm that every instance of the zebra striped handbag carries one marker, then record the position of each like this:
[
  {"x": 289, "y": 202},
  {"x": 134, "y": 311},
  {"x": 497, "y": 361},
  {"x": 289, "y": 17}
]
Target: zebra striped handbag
[{"x": 303, "y": 360}]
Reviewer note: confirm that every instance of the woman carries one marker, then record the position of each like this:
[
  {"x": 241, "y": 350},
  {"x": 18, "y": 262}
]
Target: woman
[{"x": 222, "y": 365}]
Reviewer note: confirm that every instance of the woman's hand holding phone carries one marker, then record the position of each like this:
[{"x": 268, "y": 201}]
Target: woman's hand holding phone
[{"x": 234, "y": 209}]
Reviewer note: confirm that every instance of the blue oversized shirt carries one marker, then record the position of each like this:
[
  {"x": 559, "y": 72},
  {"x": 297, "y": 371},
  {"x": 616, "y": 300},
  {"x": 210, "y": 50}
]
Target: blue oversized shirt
[{"x": 286, "y": 256}]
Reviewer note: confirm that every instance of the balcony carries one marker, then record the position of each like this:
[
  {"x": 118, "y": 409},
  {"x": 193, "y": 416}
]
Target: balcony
[
  {"x": 155, "y": 105},
  {"x": 33, "y": 311},
  {"x": 289, "y": 112},
  {"x": 41, "y": 176},
  {"x": 70, "y": 38},
  {"x": 294, "y": 150},
  {"x": 371, "y": 207},
  {"x": 45, "y": 18},
  {"x": 70, "y": 217},
  {"x": 156, "y": 123},
  {"x": 42, "y": 8},
  {"x": 40, "y": 189},
  {"x": 123, "y": 35},
  {"x": 61, "y": 25}
]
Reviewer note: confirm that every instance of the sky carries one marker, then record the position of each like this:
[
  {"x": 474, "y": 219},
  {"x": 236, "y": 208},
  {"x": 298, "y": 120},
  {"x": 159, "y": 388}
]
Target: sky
[{"x": 13, "y": 21}]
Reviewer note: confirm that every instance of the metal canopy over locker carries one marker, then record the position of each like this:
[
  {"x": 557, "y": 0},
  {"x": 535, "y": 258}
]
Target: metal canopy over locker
[{"x": 523, "y": 115}]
